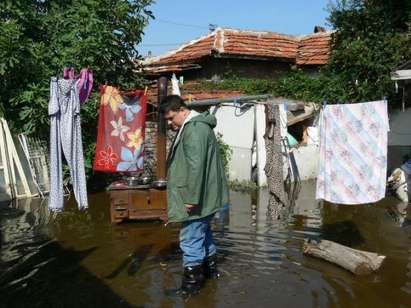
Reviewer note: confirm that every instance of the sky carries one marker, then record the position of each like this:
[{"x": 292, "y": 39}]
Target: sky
[{"x": 179, "y": 21}]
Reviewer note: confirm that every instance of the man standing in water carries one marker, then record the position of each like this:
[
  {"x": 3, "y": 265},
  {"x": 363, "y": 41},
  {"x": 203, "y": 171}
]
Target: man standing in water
[{"x": 196, "y": 189}]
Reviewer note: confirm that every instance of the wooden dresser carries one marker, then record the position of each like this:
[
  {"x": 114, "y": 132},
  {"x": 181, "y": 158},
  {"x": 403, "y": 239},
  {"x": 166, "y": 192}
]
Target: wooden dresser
[{"x": 137, "y": 203}]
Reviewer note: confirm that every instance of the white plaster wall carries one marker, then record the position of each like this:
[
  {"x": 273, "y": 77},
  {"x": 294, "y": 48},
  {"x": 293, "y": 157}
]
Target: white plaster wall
[
  {"x": 306, "y": 162},
  {"x": 237, "y": 129}
]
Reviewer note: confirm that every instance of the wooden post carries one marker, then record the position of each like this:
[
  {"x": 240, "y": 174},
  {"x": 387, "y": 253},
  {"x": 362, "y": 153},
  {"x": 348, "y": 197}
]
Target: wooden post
[{"x": 161, "y": 130}]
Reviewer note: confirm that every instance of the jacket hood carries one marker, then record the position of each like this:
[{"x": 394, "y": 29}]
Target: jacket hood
[{"x": 207, "y": 118}]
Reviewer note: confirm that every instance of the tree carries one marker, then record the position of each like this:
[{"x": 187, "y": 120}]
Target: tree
[
  {"x": 372, "y": 37},
  {"x": 39, "y": 37}
]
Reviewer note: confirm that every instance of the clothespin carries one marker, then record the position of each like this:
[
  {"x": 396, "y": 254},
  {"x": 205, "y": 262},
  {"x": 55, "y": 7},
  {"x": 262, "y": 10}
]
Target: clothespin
[{"x": 145, "y": 91}]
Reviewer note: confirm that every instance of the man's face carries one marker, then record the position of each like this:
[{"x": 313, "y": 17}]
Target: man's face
[{"x": 175, "y": 119}]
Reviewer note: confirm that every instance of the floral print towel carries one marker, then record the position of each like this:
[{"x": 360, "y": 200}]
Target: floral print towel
[
  {"x": 120, "y": 146},
  {"x": 353, "y": 153}
]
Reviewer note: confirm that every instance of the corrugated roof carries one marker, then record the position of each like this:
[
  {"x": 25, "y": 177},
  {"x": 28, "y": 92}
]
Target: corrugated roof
[
  {"x": 174, "y": 67},
  {"x": 310, "y": 49}
]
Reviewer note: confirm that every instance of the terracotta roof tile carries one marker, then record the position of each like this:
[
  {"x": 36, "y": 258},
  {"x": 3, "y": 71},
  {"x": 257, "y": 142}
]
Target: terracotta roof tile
[
  {"x": 193, "y": 50},
  {"x": 311, "y": 49},
  {"x": 314, "y": 49}
]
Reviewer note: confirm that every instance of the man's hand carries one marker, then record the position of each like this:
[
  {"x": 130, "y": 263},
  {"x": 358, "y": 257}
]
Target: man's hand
[{"x": 189, "y": 207}]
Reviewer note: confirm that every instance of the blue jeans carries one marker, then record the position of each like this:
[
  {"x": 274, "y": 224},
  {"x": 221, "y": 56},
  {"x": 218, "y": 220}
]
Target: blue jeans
[{"x": 196, "y": 241}]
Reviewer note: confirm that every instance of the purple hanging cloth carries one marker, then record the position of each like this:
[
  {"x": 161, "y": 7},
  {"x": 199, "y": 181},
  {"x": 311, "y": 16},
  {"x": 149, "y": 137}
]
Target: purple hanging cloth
[
  {"x": 68, "y": 73},
  {"x": 84, "y": 81},
  {"x": 84, "y": 84}
]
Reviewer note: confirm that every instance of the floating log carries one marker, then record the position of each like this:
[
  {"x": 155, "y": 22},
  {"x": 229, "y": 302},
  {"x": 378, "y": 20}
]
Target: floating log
[{"x": 356, "y": 261}]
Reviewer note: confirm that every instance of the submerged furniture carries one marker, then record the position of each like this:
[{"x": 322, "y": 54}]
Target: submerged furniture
[
  {"x": 148, "y": 200},
  {"x": 139, "y": 202}
]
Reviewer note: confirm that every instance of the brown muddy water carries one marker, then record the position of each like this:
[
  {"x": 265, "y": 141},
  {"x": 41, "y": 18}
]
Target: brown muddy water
[{"x": 79, "y": 259}]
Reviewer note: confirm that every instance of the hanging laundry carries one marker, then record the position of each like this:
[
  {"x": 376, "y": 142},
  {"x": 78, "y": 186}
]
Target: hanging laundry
[
  {"x": 274, "y": 164},
  {"x": 120, "y": 146},
  {"x": 84, "y": 84},
  {"x": 65, "y": 133},
  {"x": 353, "y": 153},
  {"x": 175, "y": 89}
]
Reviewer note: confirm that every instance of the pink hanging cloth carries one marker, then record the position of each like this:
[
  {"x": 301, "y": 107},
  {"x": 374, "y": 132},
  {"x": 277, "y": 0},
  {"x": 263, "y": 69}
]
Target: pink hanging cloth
[
  {"x": 85, "y": 84},
  {"x": 84, "y": 81}
]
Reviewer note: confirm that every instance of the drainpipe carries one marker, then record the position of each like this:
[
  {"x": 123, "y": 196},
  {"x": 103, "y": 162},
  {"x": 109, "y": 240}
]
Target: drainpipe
[{"x": 161, "y": 130}]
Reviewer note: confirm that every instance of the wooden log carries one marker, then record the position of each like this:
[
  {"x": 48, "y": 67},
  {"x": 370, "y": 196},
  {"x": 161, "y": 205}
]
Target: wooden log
[{"x": 356, "y": 261}]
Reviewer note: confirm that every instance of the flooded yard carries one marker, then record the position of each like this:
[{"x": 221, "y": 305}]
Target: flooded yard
[{"x": 79, "y": 259}]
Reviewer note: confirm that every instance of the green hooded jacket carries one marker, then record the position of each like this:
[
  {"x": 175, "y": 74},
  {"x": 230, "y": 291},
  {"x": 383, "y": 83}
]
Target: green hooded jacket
[{"x": 195, "y": 172}]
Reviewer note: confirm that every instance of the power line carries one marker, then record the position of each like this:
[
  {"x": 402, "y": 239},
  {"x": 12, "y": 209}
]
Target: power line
[
  {"x": 181, "y": 24},
  {"x": 161, "y": 44}
]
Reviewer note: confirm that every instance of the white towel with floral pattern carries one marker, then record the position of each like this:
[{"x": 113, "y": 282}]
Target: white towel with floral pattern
[{"x": 353, "y": 153}]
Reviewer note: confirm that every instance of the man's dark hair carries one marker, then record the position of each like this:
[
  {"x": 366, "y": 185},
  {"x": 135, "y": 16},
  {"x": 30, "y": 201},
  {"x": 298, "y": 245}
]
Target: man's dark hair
[{"x": 172, "y": 103}]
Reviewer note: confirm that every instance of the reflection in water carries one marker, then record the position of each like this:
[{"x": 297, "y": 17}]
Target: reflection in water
[
  {"x": 79, "y": 259},
  {"x": 21, "y": 226}
]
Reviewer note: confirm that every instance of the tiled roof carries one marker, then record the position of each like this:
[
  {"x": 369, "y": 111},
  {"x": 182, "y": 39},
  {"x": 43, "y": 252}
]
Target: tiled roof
[
  {"x": 191, "y": 51},
  {"x": 314, "y": 49},
  {"x": 310, "y": 49},
  {"x": 259, "y": 44}
]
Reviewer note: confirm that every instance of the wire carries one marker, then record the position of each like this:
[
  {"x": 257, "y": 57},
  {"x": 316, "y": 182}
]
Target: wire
[
  {"x": 180, "y": 24},
  {"x": 160, "y": 44}
]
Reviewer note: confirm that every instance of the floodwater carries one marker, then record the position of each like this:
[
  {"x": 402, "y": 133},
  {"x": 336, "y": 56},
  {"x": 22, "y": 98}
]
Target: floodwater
[{"x": 79, "y": 259}]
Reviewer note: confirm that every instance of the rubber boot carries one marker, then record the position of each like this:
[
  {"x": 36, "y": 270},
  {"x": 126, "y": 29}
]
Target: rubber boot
[
  {"x": 210, "y": 267},
  {"x": 193, "y": 280}
]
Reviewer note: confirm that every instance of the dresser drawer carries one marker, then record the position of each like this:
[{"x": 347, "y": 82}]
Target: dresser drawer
[
  {"x": 120, "y": 214},
  {"x": 119, "y": 197},
  {"x": 139, "y": 199},
  {"x": 158, "y": 199}
]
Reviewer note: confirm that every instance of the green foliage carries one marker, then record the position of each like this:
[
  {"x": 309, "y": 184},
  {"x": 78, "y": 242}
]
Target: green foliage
[
  {"x": 40, "y": 37},
  {"x": 293, "y": 85},
  {"x": 243, "y": 186},
  {"x": 371, "y": 39},
  {"x": 225, "y": 151},
  {"x": 249, "y": 86}
]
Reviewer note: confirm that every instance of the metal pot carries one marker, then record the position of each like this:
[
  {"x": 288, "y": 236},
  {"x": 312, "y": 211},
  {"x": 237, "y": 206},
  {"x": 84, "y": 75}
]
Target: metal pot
[
  {"x": 159, "y": 184},
  {"x": 132, "y": 181},
  {"x": 144, "y": 180}
]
